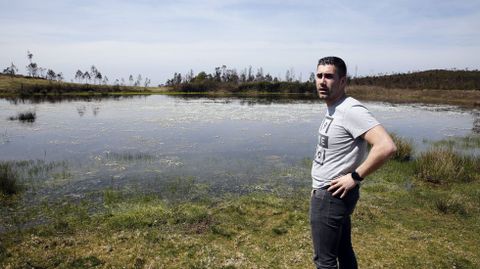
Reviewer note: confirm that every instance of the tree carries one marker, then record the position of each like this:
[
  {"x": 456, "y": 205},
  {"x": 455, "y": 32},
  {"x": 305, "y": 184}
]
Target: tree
[
  {"x": 60, "y": 76},
  {"x": 218, "y": 74},
  {"x": 259, "y": 75},
  {"x": 189, "y": 76},
  {"x": 290, "y": 75},
  {"x": 98, "y": 76},
  {"x": 11, "y": 70},
  {"x": 250, "y": 76},
  {"x": 243, "y": 75},
  {"x": 51, "y": 74},
  {"x": 130, "y": 78},
  {"x": 86, "y": 76},
  {"x": 147, "y": 82},
  {"x": 312, "y": 77},
  {"x": 105, "y": 80},
  {"x": 42, "y": 71},
  {"x": 94, "y": 73},
  {"x": 29, "y": 56},
  {"x": 268, "y": 78},
  {"x": 138, "y": 81},
  {"x": 32, "y": 69},
  {"x": 79, "y": 75},
  {"x": 201, "y": 77}
]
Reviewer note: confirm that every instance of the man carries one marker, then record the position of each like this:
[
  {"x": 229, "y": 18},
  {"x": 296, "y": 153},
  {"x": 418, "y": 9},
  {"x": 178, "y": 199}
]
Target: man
[{"x": 341, "y": 161}]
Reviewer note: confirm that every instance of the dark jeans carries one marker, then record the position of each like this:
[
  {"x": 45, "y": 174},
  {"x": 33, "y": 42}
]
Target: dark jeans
[{"x": 331, "y": 228}]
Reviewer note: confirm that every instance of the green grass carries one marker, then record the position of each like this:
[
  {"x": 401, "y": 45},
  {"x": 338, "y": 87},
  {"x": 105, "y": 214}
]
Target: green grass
[{"x": 401, "y": 221}]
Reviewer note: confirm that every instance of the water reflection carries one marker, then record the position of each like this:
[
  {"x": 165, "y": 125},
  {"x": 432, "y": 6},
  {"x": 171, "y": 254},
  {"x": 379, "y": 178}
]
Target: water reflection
[{"x": 52, "y": 99}]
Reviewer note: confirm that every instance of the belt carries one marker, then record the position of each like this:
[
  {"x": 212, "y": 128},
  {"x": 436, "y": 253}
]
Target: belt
[{"x": 322, "y": 188}]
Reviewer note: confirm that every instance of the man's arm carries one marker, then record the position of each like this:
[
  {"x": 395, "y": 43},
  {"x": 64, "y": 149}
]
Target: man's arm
[{"x": 382, "y": 148}]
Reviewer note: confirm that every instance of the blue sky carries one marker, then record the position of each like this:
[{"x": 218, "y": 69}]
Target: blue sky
[{"x": 158, "y": 38}]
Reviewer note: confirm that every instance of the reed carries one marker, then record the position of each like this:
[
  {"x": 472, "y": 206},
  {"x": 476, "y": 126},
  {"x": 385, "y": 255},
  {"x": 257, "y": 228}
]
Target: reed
[
  {"x": 404, "y": 148},
  {"x": 442, "y": 165},
  {"x": 8, "y": 180}
]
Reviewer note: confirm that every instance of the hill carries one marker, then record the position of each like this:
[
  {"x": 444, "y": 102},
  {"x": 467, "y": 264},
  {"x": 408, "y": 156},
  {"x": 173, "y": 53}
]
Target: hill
[{"x": 430, "y": 79}]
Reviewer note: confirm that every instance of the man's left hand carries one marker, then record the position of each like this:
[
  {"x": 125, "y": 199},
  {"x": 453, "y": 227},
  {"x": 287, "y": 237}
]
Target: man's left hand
[{"x": 342, "y": 185}]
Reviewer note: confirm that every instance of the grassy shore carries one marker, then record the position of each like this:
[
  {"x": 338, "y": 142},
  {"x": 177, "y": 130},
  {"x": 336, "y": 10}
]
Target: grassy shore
[
  {"x": 403, "y": 220},
  {"x": 24, "y": 87},
  {"x": 28, "y": 86},
  {"x": 463, "y": 98}
]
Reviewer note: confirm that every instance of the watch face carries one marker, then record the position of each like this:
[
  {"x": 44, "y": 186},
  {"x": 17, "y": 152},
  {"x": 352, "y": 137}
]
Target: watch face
[{"x": 356, "y": 176}]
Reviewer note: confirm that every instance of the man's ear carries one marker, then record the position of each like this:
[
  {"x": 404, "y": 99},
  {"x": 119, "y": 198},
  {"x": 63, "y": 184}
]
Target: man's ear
[{"x": 343, "y": 81}]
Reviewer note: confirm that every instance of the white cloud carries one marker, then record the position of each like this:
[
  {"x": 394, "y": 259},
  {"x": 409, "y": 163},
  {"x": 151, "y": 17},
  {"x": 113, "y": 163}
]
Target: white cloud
[{"x": 157, "y": 38}]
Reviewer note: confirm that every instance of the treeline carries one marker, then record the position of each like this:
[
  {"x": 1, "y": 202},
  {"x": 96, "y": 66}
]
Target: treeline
[
  {"x": 431, "y": 79},
  {"x": 93, "y": 75},
  {"x": 229, "y": 80}
]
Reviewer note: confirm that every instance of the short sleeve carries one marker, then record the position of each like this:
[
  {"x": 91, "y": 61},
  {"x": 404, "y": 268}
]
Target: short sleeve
[{"x": 358, "y": 120}]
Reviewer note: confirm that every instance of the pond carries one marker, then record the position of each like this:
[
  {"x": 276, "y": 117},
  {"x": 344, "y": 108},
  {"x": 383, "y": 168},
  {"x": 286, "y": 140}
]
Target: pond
[{"x": 77, "y": 146}]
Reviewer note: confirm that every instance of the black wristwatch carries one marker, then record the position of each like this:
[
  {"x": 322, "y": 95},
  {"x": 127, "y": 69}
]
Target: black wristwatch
[{"x": 356, "y": 176}]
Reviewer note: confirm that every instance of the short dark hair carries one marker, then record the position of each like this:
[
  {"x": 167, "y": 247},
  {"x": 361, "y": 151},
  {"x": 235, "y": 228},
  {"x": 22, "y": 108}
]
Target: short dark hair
[{"x": 339, "y": 64}]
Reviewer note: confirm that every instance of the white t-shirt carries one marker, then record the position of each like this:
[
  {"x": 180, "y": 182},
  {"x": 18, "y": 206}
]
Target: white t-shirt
[{"x": 341, "y": 149}]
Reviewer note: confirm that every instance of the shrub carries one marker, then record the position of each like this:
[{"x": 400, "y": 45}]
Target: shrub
[
  {"x": 8, "y": 180},
  {"x": 25, "y": 116},
  {"x": 449, "y": 206},
  {"x": 404, "y": 149},
  {"x": 444, "y": 165}
]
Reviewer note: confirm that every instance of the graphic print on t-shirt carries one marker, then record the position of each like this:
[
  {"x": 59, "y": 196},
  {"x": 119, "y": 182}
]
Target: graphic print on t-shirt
[{"x": 323, "y": 140}]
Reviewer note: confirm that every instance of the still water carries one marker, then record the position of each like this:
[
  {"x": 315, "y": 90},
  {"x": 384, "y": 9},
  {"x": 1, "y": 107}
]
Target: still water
[{"x": 139, "y": 142}]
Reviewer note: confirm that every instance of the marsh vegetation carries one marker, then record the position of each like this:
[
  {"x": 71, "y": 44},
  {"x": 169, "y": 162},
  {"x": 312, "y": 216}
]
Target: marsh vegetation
[
  {"x": 176, "y": 182},
  {"x": 188, "y": 226}
]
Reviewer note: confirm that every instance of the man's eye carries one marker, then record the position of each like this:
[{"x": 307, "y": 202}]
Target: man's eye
[{"x": 327, "y": 76}]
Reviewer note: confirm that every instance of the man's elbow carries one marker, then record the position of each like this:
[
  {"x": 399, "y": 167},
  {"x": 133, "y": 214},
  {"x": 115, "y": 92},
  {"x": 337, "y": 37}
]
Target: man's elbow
[{"x": 389, "y": 149}]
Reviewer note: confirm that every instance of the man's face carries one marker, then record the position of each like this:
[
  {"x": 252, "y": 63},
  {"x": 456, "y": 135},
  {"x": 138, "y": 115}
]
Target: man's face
[{"x": 330, "y": 87}]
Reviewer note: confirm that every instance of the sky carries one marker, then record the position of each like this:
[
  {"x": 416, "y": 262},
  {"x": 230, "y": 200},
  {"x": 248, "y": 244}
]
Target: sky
[{"x": 158, "y": 38}]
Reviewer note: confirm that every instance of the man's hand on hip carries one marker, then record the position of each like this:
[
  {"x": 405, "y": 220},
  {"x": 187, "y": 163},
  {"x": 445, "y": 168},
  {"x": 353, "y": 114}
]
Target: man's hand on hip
[{"x": 342, "y": 185}]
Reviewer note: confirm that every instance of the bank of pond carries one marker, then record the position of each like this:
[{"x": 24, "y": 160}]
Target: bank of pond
[{"x": 421, "y": 210}]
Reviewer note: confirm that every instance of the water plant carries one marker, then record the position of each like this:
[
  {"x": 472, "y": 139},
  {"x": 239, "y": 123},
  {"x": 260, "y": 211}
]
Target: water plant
[
  {"x": 8, "y": 180},
  {"x": 28, "y": 116},
  {"x": 404, "y": 148},
  {"x": 443, "y": 165}
]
